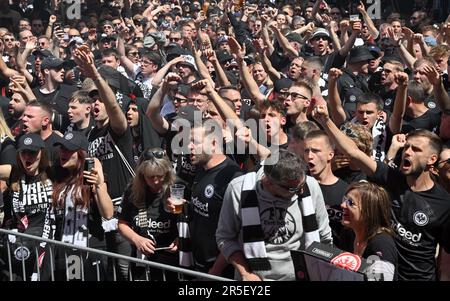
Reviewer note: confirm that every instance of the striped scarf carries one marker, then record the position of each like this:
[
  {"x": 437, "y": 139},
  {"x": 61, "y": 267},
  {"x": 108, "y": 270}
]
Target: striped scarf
[
  {"x": 184, "y": 242},
  {"x": 253, "y": 235}
]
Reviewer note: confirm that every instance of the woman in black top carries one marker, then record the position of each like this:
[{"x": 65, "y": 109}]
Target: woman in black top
[
  {"x": 26, "y": 204},
  {"x": 367, "y": 212},
  {"x": 80, "y": 201},
  {"x": 143, "y": 219}
]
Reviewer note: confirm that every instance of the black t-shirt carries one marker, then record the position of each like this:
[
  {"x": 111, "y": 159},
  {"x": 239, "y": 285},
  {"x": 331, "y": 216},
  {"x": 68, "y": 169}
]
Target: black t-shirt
[
  {"x": 383, "y": 246},
  {"x": 161, "y": 224},
  {"x": 388, "y": 99},
  {"x": 101, "y": 146},
  {"x": 7, "y": 156},
  {"x": 348, "y": 175},
  {"x": 206, "y": 202},
  {"x": 430, "y": 120},
  {"x": 52, "y": 151},
  {"x": 332, "y": 195},
  {"x": 420, "y": 220},
  {"x": 73, "y": 128},
  {"x": 58, "y": 100},
  {"x": 27, "y": 206}
]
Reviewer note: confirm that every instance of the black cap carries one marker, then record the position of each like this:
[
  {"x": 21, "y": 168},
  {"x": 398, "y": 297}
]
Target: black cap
[
  {"x": 175, "y": 51},
  {"x": 42, "y": 52},
  {"x": 73, "y": 141},
  {"x": 375, "y": 50},
  {"x": 110, "y": 75},
  {"x": 183, "y": 89},
  {"x": 189, "y": 113},
  {"x": 52, "y": 62},
  {"x": 360, "y": 54},
  {"x": 282, "y": 83},
  {"x": 295, "y": 37},
  {"x": 32, "y": 142}
]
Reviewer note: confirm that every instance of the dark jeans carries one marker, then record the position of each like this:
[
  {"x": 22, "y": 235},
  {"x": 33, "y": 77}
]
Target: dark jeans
[{"x": 116, "y": 243}]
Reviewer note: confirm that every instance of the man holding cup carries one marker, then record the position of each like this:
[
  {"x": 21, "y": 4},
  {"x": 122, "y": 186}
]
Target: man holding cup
[{"x": 214, "y": 171}]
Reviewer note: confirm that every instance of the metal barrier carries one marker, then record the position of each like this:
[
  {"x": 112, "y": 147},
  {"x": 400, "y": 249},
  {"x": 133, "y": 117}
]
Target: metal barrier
[{"x": 84, "y": 252}]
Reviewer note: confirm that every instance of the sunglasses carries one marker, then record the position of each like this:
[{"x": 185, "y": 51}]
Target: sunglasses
[
  {"x": 150, "y": 155},
  {"x": 294, "y": 96},
  {"x": 133, "y": 53},
  {"x": 349, "y": 202},
  {"x": 180, "y": 100},
  {"x": 291, "y": 189},
  {"x": 174, "y": 39}
]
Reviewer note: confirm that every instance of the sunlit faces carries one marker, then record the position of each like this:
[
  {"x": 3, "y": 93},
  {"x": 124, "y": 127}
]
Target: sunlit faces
[
  {"x": 272, "y": 122},
  {"x": 317, "y": 154},
  {"x": 155, "y": 182},
  {"x": 34, "y": 120},
  {"x": 367, "y": 114},
  {"x": 78, "y": 112},
  {"x": 16, "y": 105},
  {"x": 297, "y": 100},
  {"x": 99, "y": 110},
  {"x": 235, "y": 97},
  {"x": 57, "y": 75},
  {"x": 351, "y": 206},
  {"x": 420, "y": 77},
  {"x": 416, "y": 156},
  {"x": 133, "y": 115},
  {"x": 444, "y": 168},
  {"x": 30, "y": 161},
  {"x": 259, "y": 74},
  {"x": 388, "y": 75},
  {"x": 199, "y": 101},
  {"x": 111, "y": 61},
  {"x": 200, "y": 146},
  {"x": 294, "y": 71}
]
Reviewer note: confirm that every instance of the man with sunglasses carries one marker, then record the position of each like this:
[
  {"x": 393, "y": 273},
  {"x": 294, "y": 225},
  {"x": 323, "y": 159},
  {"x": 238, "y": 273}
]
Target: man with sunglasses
[
  {"x": 263, "y": 218},
  {"x": 420, "y": 207},
  {"x": 296, "y": 101}
]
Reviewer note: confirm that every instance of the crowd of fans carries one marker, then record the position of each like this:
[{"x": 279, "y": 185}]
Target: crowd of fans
[{"x": 322, "y": 121}]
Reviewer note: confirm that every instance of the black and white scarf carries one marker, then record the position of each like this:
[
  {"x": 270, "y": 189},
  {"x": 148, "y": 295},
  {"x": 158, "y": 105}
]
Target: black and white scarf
[
  {"x": 379, "y": 139},
  {"x": 253, "y": 235},
  {"x": 184, "y": 243}
]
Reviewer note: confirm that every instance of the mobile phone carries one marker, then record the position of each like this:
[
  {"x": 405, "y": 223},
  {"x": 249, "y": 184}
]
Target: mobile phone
[
  {"x": 88, "y": 164},
  {"x": 163, "y": 248},
  {"x": 57, "y": 24},
  {"x": 354, "y": 18}
]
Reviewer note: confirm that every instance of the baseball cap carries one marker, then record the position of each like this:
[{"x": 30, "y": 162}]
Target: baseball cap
[
  {"x": 294, "y": 37},
  {"x": 189, "y": 61},
  {"x": 149, "y": 42},
  {"x": 32, "y": 142},
  {"x": 76, "y": 40},
  {"x": 320, "y": 32},
  {"x": 73, "y": 141},
  {"x": 52, "y": 62},
  {"x": 189, "y": 113},
  {"x": 223, "y": 56},
  {"x": 42, "y": 52},
  {"x": 375, "y": 50},
  {"x": 282, "y": 83}
]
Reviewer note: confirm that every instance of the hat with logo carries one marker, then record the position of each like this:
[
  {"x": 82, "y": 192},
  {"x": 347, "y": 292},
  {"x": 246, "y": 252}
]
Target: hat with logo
[
  {"x": 189, "y": 61},
  {"x": 320, "y": 32},
  {"x": 76, "y": 41},
  {"x": 73, "y": 141},
  {"x": 32, "y": 142},
  {"x": 52, "y": 62},
  {"x": 375, "y": 50},
  {"x": 359, "y": 54}
]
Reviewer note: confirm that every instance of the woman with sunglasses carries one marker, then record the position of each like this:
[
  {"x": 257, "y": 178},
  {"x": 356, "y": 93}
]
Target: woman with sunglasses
[
  {"x": 80, "y": 202},
  {"x": 366, "y": 209},
  {"x": 143, "y": 219},
  {"x": 27, "y": 202}
]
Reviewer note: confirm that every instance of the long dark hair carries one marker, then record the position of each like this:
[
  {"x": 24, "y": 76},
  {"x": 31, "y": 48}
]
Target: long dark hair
[
  {"x": 65, "y": 179},
  {"x": 43, "y": 170}
]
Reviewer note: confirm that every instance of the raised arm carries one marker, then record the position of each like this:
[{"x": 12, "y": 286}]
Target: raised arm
[
  {"x": 222, "y": 79},
  {"x": 439, "y": 92},
  {"x": 159, "y": 123},
  {"x": 396, "y": 120},
  {"x": 117, "y": 120},
  {"x": 337, "y": 111},
  {"x": 344, "y": 143},
  {"x": 247, "y": 79},
  {"x": 368, "y": 21},
  {"x": 282, "y": 40},
  {"x": 159, "y": 76}
]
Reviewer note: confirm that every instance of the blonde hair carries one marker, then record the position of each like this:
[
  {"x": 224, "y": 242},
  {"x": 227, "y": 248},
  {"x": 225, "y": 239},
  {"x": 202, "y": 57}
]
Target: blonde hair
[
  {"x": 4, "y": 129},
  {"x": 151, "y": 167}
]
